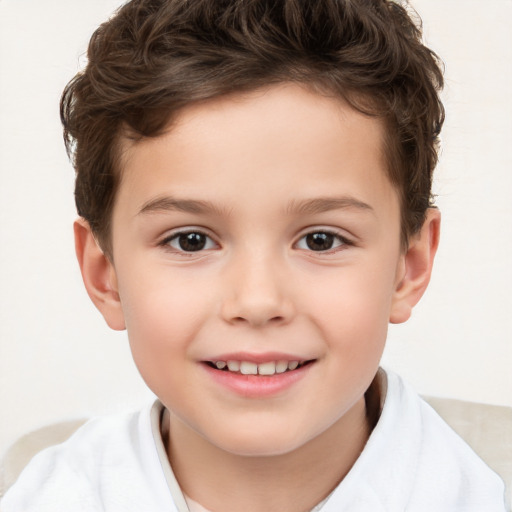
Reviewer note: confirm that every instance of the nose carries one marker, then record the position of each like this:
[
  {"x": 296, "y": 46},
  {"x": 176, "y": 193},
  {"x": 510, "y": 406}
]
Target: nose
[{"x": 257, "y": 292}]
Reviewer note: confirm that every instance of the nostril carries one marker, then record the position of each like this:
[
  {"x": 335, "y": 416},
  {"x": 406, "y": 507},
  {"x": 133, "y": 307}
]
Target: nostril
[
  {"x": 258, "y": 320},
  {"x": 256, "y": 309}
]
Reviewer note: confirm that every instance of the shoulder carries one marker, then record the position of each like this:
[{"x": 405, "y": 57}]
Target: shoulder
[
  {"x": 414, "y": 461},
  {"x": 443, "y": 471},
  {"x": 108, "y": 464}
]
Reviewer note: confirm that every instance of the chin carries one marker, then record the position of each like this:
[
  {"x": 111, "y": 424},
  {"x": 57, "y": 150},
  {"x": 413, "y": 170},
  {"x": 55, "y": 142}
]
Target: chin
[
  {"x": 262, "y": 442},
  {"x": 261, "y": 449}
]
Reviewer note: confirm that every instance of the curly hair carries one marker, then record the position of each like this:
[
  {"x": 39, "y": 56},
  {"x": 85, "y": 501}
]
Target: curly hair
[{"x": 155, "y": 57}]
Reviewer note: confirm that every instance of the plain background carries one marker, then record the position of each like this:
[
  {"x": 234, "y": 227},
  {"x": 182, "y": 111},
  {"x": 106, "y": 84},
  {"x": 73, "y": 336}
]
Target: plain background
[{"x": 58, "y": 360}]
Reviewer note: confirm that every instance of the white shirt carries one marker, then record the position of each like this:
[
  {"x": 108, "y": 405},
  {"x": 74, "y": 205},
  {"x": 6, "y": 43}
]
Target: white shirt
[{"x": 412, "y": 462}]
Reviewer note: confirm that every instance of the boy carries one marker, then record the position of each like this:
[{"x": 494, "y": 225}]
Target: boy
[{"x": 253, "y": 184}]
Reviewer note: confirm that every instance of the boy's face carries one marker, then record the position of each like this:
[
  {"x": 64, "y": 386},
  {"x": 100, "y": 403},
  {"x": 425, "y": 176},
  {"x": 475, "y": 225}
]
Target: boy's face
[{"x": 260, "y": 229}]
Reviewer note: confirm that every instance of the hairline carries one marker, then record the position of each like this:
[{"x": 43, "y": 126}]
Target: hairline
[{"x": 126, "y": 138}]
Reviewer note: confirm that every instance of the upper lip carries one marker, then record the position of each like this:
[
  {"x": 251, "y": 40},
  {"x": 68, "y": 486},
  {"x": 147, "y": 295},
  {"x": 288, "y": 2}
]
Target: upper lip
[{"x": 258, "y": 358}]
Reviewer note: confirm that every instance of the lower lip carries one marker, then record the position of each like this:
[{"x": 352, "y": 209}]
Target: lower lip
[{"x": 257, "y": 386}]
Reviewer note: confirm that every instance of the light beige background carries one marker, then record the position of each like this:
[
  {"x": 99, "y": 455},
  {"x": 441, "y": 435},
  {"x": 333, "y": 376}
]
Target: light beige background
[{"x": 57, "y": 357}]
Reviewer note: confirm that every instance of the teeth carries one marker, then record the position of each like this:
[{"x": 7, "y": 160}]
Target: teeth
[
  {"x": 249, "y": 368},
  {"x": 234, "y": 366},
  {"x": 281, "y": 366},
  {"x": 267, "y": 368}
]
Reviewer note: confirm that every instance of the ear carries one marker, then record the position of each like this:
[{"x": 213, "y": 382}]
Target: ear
[
  {"x": 99, "y": 275},
  {"x": 416, "y": 267}
]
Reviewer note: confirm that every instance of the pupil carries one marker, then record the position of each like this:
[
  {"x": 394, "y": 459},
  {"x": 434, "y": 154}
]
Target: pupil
[
  {"x": 192, "y": 241},
  {"x": 319, "y": 241}
]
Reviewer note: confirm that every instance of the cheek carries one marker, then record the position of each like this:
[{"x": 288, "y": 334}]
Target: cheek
[
  {"x": 162, "y": 300},
  {"x": 352, "y": 308},
  {"x": 163, "y": 316}
]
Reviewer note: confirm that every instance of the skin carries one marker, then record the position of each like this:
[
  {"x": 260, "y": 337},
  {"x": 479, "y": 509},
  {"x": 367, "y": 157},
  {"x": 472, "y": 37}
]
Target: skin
[{"x": 263, "y": 170}]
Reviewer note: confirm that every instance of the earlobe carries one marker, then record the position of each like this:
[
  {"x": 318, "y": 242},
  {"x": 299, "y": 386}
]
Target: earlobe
[
  {"x": 99, "y": 276},
  {"x": 416, "y": 268}
]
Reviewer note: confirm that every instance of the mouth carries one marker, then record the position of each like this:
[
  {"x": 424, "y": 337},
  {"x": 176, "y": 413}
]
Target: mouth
[{"x": 267, "y": 368}]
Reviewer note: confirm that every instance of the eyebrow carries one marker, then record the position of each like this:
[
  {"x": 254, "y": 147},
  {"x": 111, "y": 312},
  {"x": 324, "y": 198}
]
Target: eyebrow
[
  {"x": 165, "y": 204},
  {"x": 325, "y": 204},
  {"x": 303, "y": 207}
]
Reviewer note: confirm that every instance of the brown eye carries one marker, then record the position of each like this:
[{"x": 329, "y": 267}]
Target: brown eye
[
  {"x": 321, "y": 241},
  {"x": 192, "y": 241}
]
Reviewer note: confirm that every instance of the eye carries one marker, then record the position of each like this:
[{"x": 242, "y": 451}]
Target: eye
[
  {"x": 321, "y": 241},
  {"x": 190, "y": 241}
]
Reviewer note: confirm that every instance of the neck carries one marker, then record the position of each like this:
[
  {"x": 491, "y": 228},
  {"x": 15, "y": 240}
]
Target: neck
[{"x": 297, "y": 480}]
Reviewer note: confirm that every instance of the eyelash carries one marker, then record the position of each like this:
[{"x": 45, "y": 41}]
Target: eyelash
[
  {"x": 166, "y": 242},
  {"x": 342, "y": 241}
]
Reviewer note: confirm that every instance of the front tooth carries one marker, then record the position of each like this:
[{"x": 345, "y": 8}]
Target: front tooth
[
  {"x": 234, "y": 366},
  {"x": 281, "y": 366},
  {"x": 247, "y": 368},
  {"x": 267, "y": 368},
  {"x": 220, "y": 365},
  {"x": 292, "y": 365}
]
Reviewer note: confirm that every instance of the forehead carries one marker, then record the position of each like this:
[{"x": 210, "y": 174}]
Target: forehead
[{"x": 284, "y": 139}]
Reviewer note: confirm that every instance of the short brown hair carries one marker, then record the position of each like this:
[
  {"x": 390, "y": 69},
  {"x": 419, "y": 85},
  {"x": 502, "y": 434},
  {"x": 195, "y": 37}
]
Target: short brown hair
[{"x": 154, "y": 57}]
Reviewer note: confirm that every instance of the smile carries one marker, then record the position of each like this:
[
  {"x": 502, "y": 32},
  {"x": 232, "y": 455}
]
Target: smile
[{"x": 250, "y": 368}]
